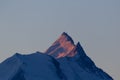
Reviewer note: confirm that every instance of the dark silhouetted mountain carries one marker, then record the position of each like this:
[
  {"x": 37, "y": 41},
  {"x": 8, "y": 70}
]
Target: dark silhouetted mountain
[
  {"x": 62, "y": 61},
  {"x": 36, "y": 66}
]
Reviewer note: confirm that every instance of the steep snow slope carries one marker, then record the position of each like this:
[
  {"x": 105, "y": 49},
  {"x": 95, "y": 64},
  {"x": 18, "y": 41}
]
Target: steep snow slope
[
  {"x": 62, "y": 61},
  {"x": 35, "y": 66},
  {"x": 10, "y": 67},
  {"x": 61, "y": 47},
  {"x": 74, "y": 62},
  {"x": 82, "y": 66}
]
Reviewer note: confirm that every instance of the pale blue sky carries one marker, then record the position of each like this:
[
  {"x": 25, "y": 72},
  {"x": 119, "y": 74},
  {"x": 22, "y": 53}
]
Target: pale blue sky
[{"x": 27, "y": 26}]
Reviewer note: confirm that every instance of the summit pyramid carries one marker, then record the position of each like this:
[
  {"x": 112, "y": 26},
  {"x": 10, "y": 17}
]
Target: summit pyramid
[{"x": 63, "y": 60}]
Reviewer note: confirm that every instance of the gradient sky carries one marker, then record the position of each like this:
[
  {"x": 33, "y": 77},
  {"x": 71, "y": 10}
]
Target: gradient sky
[{"x": 27, "y": 26}]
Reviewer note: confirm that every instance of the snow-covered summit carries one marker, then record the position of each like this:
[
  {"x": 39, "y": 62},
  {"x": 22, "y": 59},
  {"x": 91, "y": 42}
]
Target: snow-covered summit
[
  {"x": 61, "y": 47},
  {"x": 68, "y": 37},
  {"x": 62, "y": 61}
]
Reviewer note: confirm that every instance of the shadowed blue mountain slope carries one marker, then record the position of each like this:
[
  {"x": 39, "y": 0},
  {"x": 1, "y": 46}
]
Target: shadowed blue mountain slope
[
  {"x": 82, "y": 66},
  {"x": 74, "y": 60},
  {"x": 36, "y": 66},
  {"x": 62, "y": 61}
]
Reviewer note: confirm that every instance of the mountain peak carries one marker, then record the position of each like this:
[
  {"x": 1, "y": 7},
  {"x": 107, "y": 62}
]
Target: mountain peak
[
  {"x": 78, "y": 44},
  {"x": 62, "y": 46},
  {"x": 64, "y": 33},
  {"x": 77, "y": 50},
  {"x": 79, "y": 47},
  {"x": 67, "y": 37},
  {"x": 63, "y": 61}
]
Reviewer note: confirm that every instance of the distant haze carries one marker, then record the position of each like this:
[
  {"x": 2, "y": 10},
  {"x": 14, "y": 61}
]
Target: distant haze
[{"x": 27, "y": 26}]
